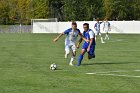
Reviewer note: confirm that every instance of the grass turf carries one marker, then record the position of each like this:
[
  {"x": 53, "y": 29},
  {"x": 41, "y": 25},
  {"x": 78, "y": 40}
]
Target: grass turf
[{"x": 25, "y": 61}]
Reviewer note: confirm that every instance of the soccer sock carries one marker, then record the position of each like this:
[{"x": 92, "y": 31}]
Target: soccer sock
[
  {"x": 66, "y": 54},
  {"x": 80, "y": 60},
  {"x": 95, "y": 38},
  {"x": 102, "y": 39},
  {"x": 105, "y": 36},
  {"x": 72, "y": 59},
  {"x": 108, "y": 37}
]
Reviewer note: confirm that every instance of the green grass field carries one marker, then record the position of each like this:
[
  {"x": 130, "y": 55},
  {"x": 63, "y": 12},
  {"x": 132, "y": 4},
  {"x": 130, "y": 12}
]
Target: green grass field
[{"x": 25, "y": 61}]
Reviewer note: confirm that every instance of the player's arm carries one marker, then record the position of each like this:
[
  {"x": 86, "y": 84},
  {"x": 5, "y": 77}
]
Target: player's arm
[
  {"x": 91, "y": 34},
  {"x": 103, "y": 26},
  {"x": 60, "y": 35},
  {"x": 109, "y": 26},
  {"x": 91, "y": 41},
  {"x": 83, "y": 37},
  {"x": 79, "y": 42},
  {"x": 95, "y": 26}
]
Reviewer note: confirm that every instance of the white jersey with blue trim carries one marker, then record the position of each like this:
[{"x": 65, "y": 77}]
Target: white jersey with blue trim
[
  {"x": 71, "y": 36},
  {"x": 97, "y": 26},
  {"x": 106, "y": 25}
]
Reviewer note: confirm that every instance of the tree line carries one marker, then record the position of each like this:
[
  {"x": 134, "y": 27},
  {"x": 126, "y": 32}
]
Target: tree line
[{"x": 22, "y": 11}]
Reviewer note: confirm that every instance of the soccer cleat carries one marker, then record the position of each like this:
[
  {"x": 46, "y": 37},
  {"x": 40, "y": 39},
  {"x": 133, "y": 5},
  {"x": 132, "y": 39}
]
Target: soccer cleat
[
  {"x": 71, "y": 64},
  {"x": 93, "y": 56},
  {"x": 102, "y": 42},
  {"x": 77, "y": 65}
]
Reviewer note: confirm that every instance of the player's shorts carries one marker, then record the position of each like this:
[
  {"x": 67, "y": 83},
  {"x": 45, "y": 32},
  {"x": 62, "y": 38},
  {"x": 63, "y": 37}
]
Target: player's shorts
[
  {"x": 92, "y": 49},
  {"x": 107, "y": 30},
  {"x": 70, "y": 46},
  {"x": 97, "y": 32}
]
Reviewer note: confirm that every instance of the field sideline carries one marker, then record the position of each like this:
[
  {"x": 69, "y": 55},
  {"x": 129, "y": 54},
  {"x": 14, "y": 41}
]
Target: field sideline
[{"x": 25, "y": 61}]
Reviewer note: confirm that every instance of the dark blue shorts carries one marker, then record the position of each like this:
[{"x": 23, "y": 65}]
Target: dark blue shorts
[{"x": 92, "y": 49}]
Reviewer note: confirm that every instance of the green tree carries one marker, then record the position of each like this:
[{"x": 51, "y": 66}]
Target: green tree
[
  {"x": 40, "y": 8},
  {"x": 4, "y": 9}
]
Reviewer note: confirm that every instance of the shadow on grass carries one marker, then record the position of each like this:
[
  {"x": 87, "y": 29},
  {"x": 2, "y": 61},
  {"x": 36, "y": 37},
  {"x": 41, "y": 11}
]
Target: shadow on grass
[{"x": 109, "y": 63}]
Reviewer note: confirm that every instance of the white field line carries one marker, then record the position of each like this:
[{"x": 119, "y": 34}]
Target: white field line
[
  {"x": 117, "y": 40},
  {"x": 119, "y": 75},
  {"x": 107, "y": 73}
]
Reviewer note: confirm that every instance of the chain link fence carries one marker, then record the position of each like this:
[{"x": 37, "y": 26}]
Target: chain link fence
[{"x": 15, "y": 29}]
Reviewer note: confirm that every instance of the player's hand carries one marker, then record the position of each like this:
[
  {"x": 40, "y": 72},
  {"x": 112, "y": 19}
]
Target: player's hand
[
  {"x": 88, "y": 49},
  {"x": 78, "y": 46},
  {"x": 87, "y": 40}
]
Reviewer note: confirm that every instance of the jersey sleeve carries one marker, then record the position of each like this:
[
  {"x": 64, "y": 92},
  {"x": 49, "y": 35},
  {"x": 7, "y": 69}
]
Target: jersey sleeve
[
  {"x": 67, "y": 31},
  {"x": 101, "y": 22},
  {"x": 91, "y": 34},
  {"x": 95, "y": 25},
  {"x": 108, "y": 24},
  {"x": 79, "y": 31}
]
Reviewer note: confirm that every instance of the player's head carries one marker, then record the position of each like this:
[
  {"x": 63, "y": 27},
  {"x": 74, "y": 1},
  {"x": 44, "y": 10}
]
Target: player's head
[
  {"x": 86, "y": 26},
  {"x": 106, "y": 19},
  {"x": 74, "y": 25},
  {"x": 97, "y": 19}
]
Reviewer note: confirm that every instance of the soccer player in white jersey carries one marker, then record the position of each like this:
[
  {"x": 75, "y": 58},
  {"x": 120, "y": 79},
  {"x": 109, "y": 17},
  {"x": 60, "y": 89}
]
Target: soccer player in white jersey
[
  {"x": 106, "y": 28},
  {"x": 98, "y": 32},
  {"x": 70, "y": 41}
]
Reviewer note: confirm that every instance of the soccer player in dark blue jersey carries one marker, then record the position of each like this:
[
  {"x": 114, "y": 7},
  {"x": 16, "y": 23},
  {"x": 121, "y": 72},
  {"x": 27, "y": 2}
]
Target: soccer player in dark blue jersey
[{"x": 88, "y": 47}]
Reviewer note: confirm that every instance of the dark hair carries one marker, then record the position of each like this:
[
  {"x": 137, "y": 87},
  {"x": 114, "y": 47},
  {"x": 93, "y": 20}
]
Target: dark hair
[
  {"x": 74, "y": 23},
  {"x": 86, "y": 24},
  {"x": 97, "y": 19}
]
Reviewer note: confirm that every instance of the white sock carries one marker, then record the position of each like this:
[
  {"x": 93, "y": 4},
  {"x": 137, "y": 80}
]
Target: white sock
[
  {"x": 66, "y": 55},
  {"x": 107, "y": 37},
  {"x": 72, "y": 59},
  {"x": 102, "y": 39}
]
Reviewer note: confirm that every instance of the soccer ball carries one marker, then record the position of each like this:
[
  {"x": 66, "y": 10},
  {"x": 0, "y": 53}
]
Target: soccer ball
[{"x": 53, "y": 66}]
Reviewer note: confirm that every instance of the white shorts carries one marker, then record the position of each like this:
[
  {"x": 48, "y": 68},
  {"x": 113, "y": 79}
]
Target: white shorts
[
  {"x": 70, "y": 46},
  {"x": 107, "y": 30},
  {"x": 97, "y": 33}
]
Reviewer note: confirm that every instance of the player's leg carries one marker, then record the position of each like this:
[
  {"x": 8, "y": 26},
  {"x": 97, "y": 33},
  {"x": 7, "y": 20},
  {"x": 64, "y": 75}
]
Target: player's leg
[
  {"x": 84, "y": 49},
  {"x": 96, "y": 33},
  {"x": 67, "y": 50},
  {"x": 101, "y": 37},
  {"x": 81, "y": 57},
  {"x": 107, "y": 35},
  {"x": 91, "y": 53},
  {"x": 73, "y": 47}
]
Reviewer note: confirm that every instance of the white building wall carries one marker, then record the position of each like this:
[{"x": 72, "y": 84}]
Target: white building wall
[{"x": 58, "y": 27}]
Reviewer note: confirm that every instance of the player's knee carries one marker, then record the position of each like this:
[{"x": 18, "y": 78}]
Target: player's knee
[
  {"x": 74, "y": 53},
  {"x": 67, "y": 52}
]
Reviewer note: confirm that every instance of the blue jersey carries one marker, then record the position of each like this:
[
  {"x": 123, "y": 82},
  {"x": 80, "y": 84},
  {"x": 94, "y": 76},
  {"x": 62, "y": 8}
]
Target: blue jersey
[{"x": 88, "y": 35}]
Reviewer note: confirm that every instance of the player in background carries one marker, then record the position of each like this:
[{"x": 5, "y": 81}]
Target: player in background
[
  {"x": 106, "y": 28},
  {"x": 70, "y": 41},
  {"x": 88, "y": 47},
  {"x": 98, "y": 32}
]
